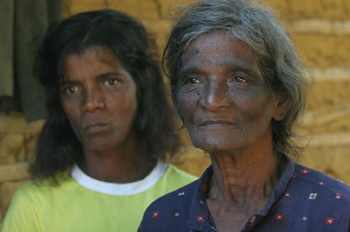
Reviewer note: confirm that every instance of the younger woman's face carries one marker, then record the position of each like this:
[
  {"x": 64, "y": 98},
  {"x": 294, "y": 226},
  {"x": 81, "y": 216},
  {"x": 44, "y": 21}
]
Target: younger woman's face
[{"x": 98, "y": 96}]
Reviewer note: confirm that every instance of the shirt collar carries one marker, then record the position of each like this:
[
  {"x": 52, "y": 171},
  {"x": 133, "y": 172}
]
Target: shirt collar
[
  {"x": 199, "y": 216},
  {"x": 116, "y": 189},
  {"x": 280, "y": 186}
]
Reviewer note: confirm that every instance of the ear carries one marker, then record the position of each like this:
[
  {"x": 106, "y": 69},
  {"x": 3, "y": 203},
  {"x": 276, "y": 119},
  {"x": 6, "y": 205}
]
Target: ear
[{"x": 282, "y": 104}]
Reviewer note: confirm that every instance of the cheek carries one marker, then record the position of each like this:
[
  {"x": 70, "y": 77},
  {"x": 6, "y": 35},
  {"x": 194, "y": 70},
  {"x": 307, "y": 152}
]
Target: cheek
[
  {"x": 123, "y": 107},
  {"x": 252, "y": 100},
  {"x": 70, "y": 104},
  {"x": 67, "y": 109},
  {"x": 186, "y": 105},
  {"x": 71, "y": 111},
  {"x": 256, "y": 111},
  {"x": 132, "y": 102},
  {"x": 133, "y": 111}
]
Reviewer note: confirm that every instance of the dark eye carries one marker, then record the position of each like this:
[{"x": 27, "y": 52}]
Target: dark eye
[
  {"x": 239, "y": 79},
  {"x": 192, "y": 80},
  {"x": 72, "y": 89},
  {"x": 110, "y": 82}
]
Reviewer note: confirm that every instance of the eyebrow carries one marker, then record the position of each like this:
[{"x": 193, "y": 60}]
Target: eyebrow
[
  {"x": 71, "y": 82},
  {"x": 243, "y": 66},
  {"x": 68, "y": 83},
  {"x": 185, "y": 71},
  {"x": 110, "y": 74}
]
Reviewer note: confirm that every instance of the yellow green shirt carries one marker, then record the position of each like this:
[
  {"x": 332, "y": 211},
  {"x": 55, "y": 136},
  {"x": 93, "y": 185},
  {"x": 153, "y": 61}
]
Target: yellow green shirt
[{"x": 80, "y": 203}]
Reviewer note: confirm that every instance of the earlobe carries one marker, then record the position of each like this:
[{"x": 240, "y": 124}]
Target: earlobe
[{"x": 282, "y": 104}]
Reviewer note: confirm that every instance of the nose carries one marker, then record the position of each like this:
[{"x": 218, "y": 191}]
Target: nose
[
  {"x": 92, "y": 100},
  {"x": 215, "y": 96}
]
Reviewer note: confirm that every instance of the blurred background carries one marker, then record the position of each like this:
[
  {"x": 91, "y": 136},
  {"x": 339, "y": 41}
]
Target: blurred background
[{"x": 320, "y": 30}]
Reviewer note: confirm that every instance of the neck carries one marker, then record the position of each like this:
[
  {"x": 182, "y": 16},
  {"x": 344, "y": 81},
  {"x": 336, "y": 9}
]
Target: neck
[
  {"x": 244, "y": 179},
  {"x": 116, "y": 165}
]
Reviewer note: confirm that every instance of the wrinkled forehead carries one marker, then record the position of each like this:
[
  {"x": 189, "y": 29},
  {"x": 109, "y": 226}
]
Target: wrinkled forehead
[{"x": 218, "y": 48}]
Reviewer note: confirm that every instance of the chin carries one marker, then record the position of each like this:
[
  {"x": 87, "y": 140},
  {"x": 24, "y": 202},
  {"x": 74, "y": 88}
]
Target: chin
[
  {"x": 213, "y": 147},
  {"x": 220, "y": 145},
  {"x": 97, "y": 145},
  {"x": 217, "y": 150},
  {"x": 96, "y": 148}
]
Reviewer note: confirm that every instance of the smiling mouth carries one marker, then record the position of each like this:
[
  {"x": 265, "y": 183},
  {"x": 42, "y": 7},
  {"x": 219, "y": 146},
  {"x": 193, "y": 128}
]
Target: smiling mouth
[{"x": 96, "y": 128}]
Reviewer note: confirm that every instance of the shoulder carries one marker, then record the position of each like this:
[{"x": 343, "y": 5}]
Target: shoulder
[
  {"x": 41, "y": 188},
  {"x": 31, "y": 189},
  {"x": 25, "y": 192},
  {"x": 186, "y": 192},
  {"x": 173, "y": 172},
  {"x": 317, "y": 181},
  {"x": 171, "y": 208},
  {"x": 174, "y": 178},
  {"x": 21, "y": 214}
]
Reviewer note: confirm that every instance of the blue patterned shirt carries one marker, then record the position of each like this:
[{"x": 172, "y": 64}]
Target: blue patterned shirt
[{"x": 302, "y": 200}]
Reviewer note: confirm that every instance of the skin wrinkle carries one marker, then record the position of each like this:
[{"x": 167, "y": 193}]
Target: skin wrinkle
[
  {"x": 261, "y": 32},
  {"x": 228, "y": 170},
  {"x": 215, "y": 93},
  {"x": 232, "y": 89}
]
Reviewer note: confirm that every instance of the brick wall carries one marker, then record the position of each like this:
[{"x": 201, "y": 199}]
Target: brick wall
[
  {"x": 17, "y": 144},
  {"x": 322, "y": 36}
]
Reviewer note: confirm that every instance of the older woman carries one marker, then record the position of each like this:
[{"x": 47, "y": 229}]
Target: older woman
[
  {"x": 100, "y": 156},
  {"x": 239, "y": 88}
]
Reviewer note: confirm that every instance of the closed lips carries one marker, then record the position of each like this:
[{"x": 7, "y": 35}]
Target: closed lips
[
  {"x": 209, "y": 123},
  {"x": 96, "y": 127}
]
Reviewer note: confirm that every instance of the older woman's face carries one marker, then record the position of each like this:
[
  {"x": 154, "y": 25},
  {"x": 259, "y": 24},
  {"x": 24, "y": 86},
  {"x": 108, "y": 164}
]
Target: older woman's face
[{"x": 223, "y": 96}]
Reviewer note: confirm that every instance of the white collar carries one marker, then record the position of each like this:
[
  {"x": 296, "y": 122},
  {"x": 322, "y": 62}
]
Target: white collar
[{"x": 119, "y": 189}]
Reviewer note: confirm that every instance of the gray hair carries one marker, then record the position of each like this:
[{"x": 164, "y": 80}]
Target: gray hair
[{"x": 255, "y": 25}]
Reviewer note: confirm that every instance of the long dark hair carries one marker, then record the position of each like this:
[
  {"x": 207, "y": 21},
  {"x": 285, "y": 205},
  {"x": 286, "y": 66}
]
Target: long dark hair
[{"x": 58, "y": 148}]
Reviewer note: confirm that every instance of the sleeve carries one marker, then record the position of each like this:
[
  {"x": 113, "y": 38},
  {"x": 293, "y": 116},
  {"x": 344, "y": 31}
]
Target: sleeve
[{"x": 21, "y": 215}]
